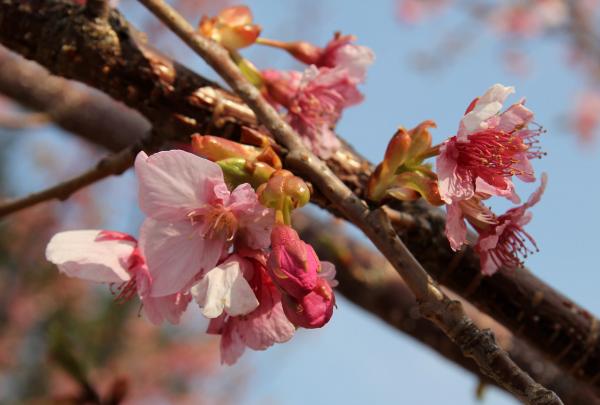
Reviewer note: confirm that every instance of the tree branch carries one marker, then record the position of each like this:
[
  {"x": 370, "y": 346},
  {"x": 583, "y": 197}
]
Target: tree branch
[
  {"x": 114, "y": 164},
  {"x": 434, "y": 304},
  {"x": 179, "y": 103},
  {"x": 367, "y": 279}
]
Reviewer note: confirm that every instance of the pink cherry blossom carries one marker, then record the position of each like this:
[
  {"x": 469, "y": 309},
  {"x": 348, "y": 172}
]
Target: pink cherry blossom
[
  {"x": 113, "y": 258},
  {"x": 341, "y": 53},
  {"x": 412, "y": 11},
  {"x": 193, "y": 218},
  {"x": 488, "y": 150},
  {"x": 259, "y": 329},
  {"x": 293, "y": 264},
  {"x": 316, "y": 104},
  {"x": 586, "y": 115},
  {"x": 526, "y": 19},
  {"x": 505, "y": 243}
]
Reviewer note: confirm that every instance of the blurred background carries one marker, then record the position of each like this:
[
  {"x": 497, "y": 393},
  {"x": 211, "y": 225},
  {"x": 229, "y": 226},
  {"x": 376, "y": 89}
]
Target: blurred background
[{"x": 59, "y": 335}]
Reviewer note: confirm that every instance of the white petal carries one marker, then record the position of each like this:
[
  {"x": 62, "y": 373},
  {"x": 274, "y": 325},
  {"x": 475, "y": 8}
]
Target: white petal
[
  {"x": 224, "y": 288},
  {"x": 78, "y": 254},
  {"x": 486, "y": 107}
]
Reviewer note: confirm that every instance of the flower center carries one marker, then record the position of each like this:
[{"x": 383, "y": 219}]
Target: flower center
[
  {"x": 215, "y": 222},
  {"x": 495, "y": 153}
]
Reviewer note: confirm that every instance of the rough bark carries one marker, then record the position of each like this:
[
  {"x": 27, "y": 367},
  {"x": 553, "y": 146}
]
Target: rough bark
[{"x": 112, "y": 58}]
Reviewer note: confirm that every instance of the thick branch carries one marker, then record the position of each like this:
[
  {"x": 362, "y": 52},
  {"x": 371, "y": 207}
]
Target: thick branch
[
  {"x": 434, "y": 304},
  {"x": 367, "y": 279},
  {"x": 180, "y": 103},
  {"x": 86, "y": 112}
]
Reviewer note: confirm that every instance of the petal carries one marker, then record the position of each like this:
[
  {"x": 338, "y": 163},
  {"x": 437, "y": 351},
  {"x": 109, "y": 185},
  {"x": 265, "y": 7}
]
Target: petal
[
  {"x": 508, "y": 191},
  {"x": 487, "y": 264},
  {"x": 537, "y": 194},
  {"x": 172, "y": 183},
  {"x": 453, "y": 184},
  {"x": 356, "y": 59},
  {"x": 232, "y": 346},
  {"x": 267, "y": 324},
  {"x": 328, "y": 273},
  {"x": 224, "y": 288},
  {"x": 486, "y": 107},
  {"x": 175, "y": 254},
  {"x": 515, "y": 117},
  {"x": 256, "y": 221},
  {"x": 79, "y": 254},
  {"x": 456, "y": 229},
  {"x": 169, "y": 307}
]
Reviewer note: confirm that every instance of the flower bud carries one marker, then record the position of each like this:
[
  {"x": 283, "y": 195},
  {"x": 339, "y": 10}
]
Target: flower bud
[
  {"x": 232, "y": 28},
  {"x": 293, "y": 264},
  {"x": 313, "y": 310},
  {"x": 216, "y": 148},
  {"x": 284, "y": 192},
  {"x": 404, "y": 154}
]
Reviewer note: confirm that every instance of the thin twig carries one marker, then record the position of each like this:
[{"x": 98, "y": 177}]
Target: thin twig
[
  {"x": 434, "y": 304},
  {"x": 113, "y": 164}
]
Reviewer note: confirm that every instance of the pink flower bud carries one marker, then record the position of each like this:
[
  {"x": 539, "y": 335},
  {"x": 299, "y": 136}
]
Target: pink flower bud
[
  {"x": 293, "y": 264},
  {"x": 313, "y": 310}
]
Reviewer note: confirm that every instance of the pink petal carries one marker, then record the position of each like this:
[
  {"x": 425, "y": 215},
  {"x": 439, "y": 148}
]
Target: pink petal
[
  {"x": 356, "y": 59},
  {"x": 328, "y": 273},
  {"x": 255, "y": 221},
  {"x": 508, "y": 191},
  {"x": 175, "y": 254},
  {"x": 456, "y": 229},
  {"x": 453, "y": 184},
  {"x": 173, "y": 183},
  {"x": 516, "y": 117},
  {"x": 224, "y": 289},
  {"x": 232, "y": 346},
  {"x": 537, "y": 194},
  {"x": 79, "y": 254},
  {"x": 169, "y": 307},
  {"x": 267, "y": 324}
]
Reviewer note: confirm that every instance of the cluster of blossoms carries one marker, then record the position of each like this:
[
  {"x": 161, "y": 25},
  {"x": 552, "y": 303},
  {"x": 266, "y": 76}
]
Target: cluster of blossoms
[
  {"x": 208, "y": 239},
  {"x": 490, "y": 148},
  {"x": 314, "y": 99}
]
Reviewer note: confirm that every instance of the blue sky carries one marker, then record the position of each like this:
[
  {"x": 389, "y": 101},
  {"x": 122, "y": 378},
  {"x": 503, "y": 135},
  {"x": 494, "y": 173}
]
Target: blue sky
[{"x": 356, "y": 359}]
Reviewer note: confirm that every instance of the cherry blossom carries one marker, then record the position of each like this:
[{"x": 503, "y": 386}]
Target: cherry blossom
[
  {"x": 315, "y": 105},
  {"x": 113, "y": 258},
  {"x": 488, "y": 150},
  {"x": 193, "y": 219},
  {"x": 259, "y": 329},
  {"x": 506, "y": 242}
]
